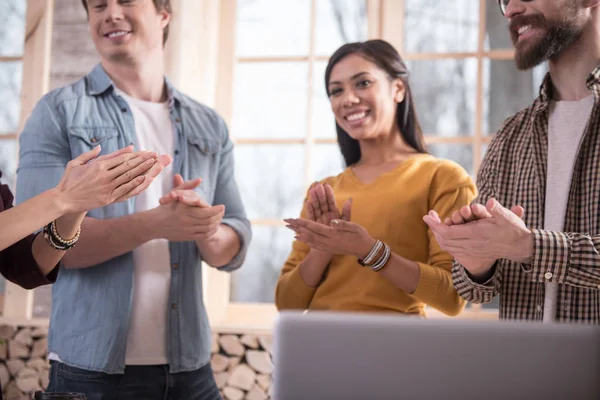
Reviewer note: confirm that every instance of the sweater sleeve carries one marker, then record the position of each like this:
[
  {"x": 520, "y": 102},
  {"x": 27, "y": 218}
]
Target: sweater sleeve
[
  {"x": 291, "y": 291},
  {"x": 451, "y": 189}
]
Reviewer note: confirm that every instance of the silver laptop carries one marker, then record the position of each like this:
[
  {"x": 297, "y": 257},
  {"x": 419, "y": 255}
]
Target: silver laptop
[{"x": 348, "y": 356}]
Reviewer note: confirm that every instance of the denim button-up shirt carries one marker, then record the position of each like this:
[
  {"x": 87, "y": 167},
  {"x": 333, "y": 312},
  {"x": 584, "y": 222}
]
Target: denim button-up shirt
[{"x": 91, "y": 306}]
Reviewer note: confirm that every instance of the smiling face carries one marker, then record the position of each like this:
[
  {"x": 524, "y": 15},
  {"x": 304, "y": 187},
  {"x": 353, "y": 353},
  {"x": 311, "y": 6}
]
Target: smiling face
[
  {"x": 363, "y": 98},
  {"x": 125, "y": 30},
  {"x": 542, "y": 30}
]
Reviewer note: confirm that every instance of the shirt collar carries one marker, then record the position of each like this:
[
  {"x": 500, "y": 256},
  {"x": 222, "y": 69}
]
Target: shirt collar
[{"x": 99, "y": 82}]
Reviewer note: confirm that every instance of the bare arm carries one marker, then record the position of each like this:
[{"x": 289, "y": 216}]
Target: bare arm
[
  {"x": 102, "y": 240},
  {"x": 221, "y": 248},
  {"x": 29, "y": 217}
]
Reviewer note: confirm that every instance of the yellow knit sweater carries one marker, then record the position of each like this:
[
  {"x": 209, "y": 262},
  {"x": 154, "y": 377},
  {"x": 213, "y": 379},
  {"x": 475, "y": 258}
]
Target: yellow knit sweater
[{"x": 391, "y": 209}]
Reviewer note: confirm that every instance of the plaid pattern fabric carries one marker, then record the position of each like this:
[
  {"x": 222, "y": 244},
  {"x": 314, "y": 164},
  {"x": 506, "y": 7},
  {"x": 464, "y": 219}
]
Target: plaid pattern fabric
[{"x": 514, "y": 172}]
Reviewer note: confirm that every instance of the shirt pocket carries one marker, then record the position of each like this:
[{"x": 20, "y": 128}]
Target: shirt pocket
[
  {"x": 84, "y": 139},
  {"x": 204, "y": 163}
]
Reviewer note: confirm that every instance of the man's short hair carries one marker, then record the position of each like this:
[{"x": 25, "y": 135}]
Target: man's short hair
[{"x": 159, "y": 4}]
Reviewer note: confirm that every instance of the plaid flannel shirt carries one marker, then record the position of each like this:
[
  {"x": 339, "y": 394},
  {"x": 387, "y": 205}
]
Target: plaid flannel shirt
[{"x": 514, "y": 172}]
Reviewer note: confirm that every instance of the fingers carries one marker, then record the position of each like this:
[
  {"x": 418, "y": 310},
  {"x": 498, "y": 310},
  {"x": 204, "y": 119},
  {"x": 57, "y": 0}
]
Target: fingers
[
  {"x": 86, "y": 157},
  {"x": 114, "y": 159},
  {"x": 180, "y": 184},
  {"x": 347, "y": 210},
  {"x": 457, "y": 218},
  {"x": 131, "y": 188},
  {"x": 177, "y": 181},
  {"x": 467, "y": 214},
  {"x": 518, "y": 211},
  {"x": 164, "y": 159},
  {"x": 314, "y": 201},
  {"x": 322, "y": 197},
  {"x": 168, "y": 198},
  {"x": 480, "y": 211},
  {"x": 330, "y": 198},
  {"x": 310, "y": 211},
  {"x": 130, "y": 169},
  {"x": 192, "y": 200}
]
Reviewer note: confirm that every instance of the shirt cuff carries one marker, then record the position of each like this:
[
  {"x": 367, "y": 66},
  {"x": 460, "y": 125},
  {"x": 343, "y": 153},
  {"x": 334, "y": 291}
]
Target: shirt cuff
[
  {"x": 241, "y": 230},
  {"x": 551, "y": 256},
  {"x": 429, "y": 283},
  {"x": 488, "y": 285}
]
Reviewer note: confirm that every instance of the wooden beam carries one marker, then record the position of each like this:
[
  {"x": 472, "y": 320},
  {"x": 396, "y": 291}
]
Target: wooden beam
[
  {"x": 18, "y": 302},
  {"x": 192, "y": 48}
]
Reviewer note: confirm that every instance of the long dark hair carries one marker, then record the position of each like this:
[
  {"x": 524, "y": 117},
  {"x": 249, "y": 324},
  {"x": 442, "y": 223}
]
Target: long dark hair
[{"x": 385, "y": 56}]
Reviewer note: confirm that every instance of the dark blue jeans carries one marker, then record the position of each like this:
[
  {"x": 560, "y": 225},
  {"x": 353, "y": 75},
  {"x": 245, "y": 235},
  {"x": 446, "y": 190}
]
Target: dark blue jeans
[{"x": 138, "y": 382}]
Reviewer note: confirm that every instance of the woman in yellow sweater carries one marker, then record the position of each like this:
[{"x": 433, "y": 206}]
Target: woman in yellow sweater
[{"x": 377, "y": 254}]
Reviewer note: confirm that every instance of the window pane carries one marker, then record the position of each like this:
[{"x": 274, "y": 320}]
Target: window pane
[
  {"x": 8, "y": 162},
  {"x": 272, "y": 28},
  {"x": 444, "y": 92},
  {"x": 270, "y": 100},
  {"x": 12, "y": 27},
  {"x": 441, "y": 26},
  {"x": 497, "y": 35},
  {"x": 326, "y": 160},
  {"x": 459, "y": 153},
  {"x": 10, "y": 91},
  {"x": 506, "y": 90},
  {"x": 271, "y": 179},
  {"x": 323, "y": 120},
  {"x": 339, "y": 22},
  {"x": 255, "y": 281}
]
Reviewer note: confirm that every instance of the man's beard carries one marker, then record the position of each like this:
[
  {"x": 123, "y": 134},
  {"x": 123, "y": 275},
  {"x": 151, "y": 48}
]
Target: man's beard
[{"x": 559, "y": 36}]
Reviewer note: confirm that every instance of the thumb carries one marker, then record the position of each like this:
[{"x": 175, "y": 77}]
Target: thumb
[
  {"x": 497, "y": 210},
  {"x": 86, "y": 157},
  {"x": 177, "y": 181},
  {"x": 518, "y": 211},
  {"x": 347, "y": 210}
]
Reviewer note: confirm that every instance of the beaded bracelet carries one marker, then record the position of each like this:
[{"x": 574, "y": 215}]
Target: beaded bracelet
[{"x": 56, "y": 241}]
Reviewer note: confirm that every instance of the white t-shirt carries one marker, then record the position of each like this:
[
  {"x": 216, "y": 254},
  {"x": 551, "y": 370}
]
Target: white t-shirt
[
  {"x": 566, "y": 126},
  {"x": 147, "y": 335}
]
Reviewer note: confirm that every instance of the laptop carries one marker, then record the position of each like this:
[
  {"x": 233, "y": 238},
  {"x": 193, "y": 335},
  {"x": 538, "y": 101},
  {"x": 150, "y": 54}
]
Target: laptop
[{"x": 329, "y": 356}]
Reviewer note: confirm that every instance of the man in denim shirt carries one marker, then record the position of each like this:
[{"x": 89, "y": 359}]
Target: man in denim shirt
[{"x": 128, "y": 318}]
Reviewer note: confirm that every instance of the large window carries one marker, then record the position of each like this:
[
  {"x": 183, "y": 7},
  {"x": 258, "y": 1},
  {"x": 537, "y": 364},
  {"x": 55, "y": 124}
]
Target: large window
[
  {"x": 12, "y": 35},
  {"x": 281, "y": 120},
  {"x": 462, "y": 76}
]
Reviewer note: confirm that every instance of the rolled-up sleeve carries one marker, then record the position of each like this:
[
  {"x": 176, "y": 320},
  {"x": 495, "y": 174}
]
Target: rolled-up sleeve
[{"x": 228, "y": 194}]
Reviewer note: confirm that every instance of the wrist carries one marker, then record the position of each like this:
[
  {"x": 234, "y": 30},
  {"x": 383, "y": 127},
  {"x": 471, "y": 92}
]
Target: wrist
[
  {"x": 365, "y": 248},
  {"x": 151, "y": 222},
  {"x": 525, "y": 247},
  {"x": 60, "y": 201}
]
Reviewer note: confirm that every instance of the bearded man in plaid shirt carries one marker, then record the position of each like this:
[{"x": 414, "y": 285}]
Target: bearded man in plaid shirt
[{"x": 542, "y": 256}]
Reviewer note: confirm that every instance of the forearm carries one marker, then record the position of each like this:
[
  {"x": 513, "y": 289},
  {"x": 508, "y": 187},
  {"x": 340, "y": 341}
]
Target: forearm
[
  {"x": 221, "y": 248},
  {"x": 29, "y": 217},
  {"x": 104, "y": 239},
  {"x": 313, "y": 267},
  {"x": 45, "y": 255},
  {"x": 402, "y": 272},
  {"x": 297, "y": 284}
]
